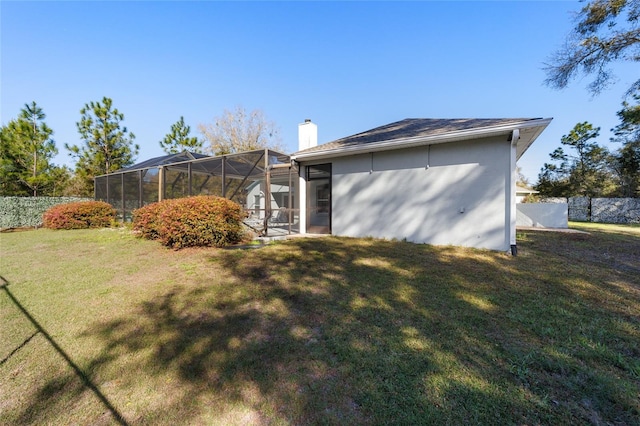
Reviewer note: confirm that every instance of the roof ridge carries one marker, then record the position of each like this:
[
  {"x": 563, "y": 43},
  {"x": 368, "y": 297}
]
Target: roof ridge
[{"x": 415, "y": 127}]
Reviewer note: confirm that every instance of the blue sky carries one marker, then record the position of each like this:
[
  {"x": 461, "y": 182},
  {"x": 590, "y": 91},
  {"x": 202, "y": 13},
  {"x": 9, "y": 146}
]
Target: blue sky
[{"x": 348, "y": 66}]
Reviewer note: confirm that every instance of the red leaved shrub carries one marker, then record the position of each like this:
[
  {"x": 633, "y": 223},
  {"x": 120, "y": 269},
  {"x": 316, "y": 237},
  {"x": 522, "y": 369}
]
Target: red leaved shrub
[
  {"x": 79, "y": 215},
  {"x": 146, "y": 219},
  {"x": 192, "y": 221}
]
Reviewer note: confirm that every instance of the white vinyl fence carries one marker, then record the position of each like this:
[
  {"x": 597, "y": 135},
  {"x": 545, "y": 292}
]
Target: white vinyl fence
[{"x": 542, "y": 215}]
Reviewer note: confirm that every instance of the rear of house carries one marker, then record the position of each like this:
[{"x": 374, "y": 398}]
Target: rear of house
[
  {"x": 424, "y": 180},
  {"x": 434, "y": 181}
]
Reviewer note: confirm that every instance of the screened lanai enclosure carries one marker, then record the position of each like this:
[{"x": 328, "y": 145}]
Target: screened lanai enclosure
[{"x": 264, "y": 182}]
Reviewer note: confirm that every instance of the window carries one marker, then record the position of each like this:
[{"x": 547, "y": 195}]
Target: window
[
  {"x": 320, "y": 171},
  {"x": 322, "y": 198}
]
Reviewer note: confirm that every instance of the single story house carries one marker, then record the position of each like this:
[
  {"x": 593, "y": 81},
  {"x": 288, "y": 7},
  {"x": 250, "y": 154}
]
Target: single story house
[
  {"x": 523, "y": 192},
  {"x": 435, "y": 181}
]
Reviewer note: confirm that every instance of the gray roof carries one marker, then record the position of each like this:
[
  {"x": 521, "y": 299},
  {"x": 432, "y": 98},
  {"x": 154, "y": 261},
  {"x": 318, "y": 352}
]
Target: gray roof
[{"x": 417, "y": 129}]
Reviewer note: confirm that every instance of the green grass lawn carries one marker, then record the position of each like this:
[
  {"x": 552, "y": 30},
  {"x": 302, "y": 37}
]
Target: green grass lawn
[{"x": 320, "y": 331}]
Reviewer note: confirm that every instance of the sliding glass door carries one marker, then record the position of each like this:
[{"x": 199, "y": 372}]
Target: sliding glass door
[{"x": 319, "y": 199}]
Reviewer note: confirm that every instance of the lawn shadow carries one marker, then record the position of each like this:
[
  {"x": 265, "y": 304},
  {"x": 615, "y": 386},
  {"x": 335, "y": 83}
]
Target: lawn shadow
[
  {"x": 340, "y": 331},
  {"x": 46, "y": 397}
]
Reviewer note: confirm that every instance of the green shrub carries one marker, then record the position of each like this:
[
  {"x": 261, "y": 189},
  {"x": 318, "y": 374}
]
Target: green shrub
[
  {"x": 79, "y": 215},
  {"x": 190, "y": 222}
]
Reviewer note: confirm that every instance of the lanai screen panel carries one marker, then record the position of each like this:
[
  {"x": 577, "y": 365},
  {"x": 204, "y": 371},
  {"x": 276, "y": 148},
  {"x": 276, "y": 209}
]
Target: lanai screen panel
[
  {"x": 241, "y": 171},
  {"x": 131, "y": 186},
  {"x": 211, "y": 166},
  {"x": 150, "y": 185},
  {"x": 114, "y": 183},
  {"x": 207, "y": 185},
  {"x": 181, "y": 175},
  {"x": 285, "y": 211},
  {"x": 206, "y": 177},
  {"x": 176, "y": 182},
  {"x": 100, "y": 188}
]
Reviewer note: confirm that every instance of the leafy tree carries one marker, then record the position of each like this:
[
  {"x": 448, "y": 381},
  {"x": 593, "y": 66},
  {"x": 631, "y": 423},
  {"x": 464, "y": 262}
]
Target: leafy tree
[
  {"x": 62, "y": 183},
  {"x": 605, "y": 31},
  {"x": 26, "y": 149},
  {"x": 178, "y": 140},
  {"x": 584, "y": 170},
  {"x": 627, "y": 166},
  {"x": 627, "y": 159},
  {"x": 553, "y": 180},
  {"x": 10, "y": 168},
  {"x": 73, "y": 185},
  {"x": 238, "y": 131},
  {"x": 108, "y": 146}
]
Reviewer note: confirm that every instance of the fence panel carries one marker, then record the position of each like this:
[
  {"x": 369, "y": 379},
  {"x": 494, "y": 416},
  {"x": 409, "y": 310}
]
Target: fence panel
[{"x": 19, "y": 212}]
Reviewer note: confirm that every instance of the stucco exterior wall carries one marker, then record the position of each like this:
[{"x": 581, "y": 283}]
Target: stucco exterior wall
[
  {"x": 543, "y": 215},
  {"x": 452, "y": 193}
]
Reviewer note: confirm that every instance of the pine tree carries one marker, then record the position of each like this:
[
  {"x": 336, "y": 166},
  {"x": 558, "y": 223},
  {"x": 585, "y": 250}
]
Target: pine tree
[
  {"x": 178, "y": 140},
  {"x": 26, "y": 149},
  {"x": 606, "y": 31},
  {"x": 584, "y": 169},
  {"x": 627, "y": 158},
  {"x": 108, "y": 146}
]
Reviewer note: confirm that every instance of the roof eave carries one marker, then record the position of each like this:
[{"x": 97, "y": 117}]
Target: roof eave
[{"x": 538, "y": 125}]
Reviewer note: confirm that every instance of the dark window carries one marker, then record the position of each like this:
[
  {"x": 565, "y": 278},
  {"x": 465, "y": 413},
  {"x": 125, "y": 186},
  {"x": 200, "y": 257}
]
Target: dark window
[{"x": 320, "y": 171}]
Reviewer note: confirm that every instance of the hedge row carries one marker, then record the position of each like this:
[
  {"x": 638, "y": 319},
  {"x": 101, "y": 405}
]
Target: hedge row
[
  {"x": 191, "y": 221},
  {"x": 19, "y": 212}
]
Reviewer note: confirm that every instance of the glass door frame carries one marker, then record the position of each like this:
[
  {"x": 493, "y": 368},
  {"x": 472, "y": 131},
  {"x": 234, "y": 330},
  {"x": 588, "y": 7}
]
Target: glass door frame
[{"x": 318, "y": 206}]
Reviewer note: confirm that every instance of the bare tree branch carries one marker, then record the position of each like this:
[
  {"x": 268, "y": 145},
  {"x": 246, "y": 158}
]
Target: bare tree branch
[{"x": 238, "y": 131}]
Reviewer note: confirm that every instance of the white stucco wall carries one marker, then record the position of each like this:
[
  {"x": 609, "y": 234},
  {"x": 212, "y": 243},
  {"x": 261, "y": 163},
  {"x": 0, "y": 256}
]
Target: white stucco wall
[
  {"x": 459, "y": 199},
  {"x": 543, "y": 215}
]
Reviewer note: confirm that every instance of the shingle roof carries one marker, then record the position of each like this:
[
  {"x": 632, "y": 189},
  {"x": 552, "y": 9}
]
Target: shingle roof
[{"x": 414, "y": 128}]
